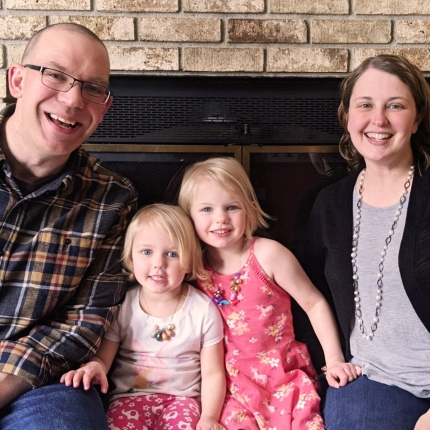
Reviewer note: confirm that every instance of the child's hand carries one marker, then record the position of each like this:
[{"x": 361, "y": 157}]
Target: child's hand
[
  {"x": 92, "y": 372},
  {"x": 424, "y": 422},
  {"x": 340, "y": 373},
  {"x": 209, "y": 423}
]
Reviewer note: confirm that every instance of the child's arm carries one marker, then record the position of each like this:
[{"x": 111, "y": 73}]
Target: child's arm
[
  {"x": 281, "y": 265},
  {"x": 95, "y": 370},
  {"x": 213, "y": 386}
]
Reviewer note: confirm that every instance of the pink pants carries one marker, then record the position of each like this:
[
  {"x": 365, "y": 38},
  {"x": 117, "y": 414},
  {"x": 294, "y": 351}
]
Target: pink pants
[{"x": 153, "y": 412}]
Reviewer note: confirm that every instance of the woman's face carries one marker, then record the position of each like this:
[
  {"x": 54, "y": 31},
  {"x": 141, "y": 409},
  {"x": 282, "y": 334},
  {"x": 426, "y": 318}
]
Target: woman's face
[{"x": 381, "y": 118}]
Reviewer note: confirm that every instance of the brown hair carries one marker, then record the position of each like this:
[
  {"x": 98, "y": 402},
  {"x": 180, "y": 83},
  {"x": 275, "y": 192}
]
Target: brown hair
[
  {"x": 180, "y": 229},
  {"x": 409, "y": 74},
  {"x": 229, "y": 174}
]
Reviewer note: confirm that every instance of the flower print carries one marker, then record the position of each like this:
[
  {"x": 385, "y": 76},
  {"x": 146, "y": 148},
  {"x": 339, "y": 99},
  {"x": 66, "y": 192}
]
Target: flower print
[
  {"x": 207, "y": 285},
  {"x": 263, "y": 357},
  {"x": 267, "y": 291},
  {"x": 234, "y": 316},
  {"x": 284, "y": 390},
  {"x": 282, "y": 319},
  {"x": 274, "y": 331},
  {"x": 241, "y": 329},
  {"x": 305, "y": 397},
  {"x": 316, "y": 424},
  {"x": 236, "y": 352},
  {"x": 231, "y": 370},
  {"x": 252, "y": 340},
  {"x": 274, "y": 362}
]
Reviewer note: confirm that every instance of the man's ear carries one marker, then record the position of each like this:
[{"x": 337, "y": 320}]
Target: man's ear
[{"x": 15, "y": 79}]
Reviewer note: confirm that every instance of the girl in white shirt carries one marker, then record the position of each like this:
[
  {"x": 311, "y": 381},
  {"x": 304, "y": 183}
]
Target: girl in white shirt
[{"x": 165, "y": 342}]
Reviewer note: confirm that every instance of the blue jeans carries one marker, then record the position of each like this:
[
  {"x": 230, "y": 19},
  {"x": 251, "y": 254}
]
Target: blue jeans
[
  {"x": 55, "y": 407},
  {"x": 364, "y": 404}
]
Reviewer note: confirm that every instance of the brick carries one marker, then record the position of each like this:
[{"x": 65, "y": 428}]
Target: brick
[
  {"x": 137, "y": 5},
  {"x": 143, "y": 58},
  {"x": 413, "y": 31},
  {"x": 2, "y": 57},
  {"x": 226, "y": 6},
  {"x": 20, "y": 27},
  {"x": 14, "y": 53},
  {"x": 392, "y": 7},
  {"x": 107, "y": 28},
  {"x": 49, "y": 4},
  {"x": 304, "y": 60},
  {"x": 267, "y": 31},
  {"x": 311, "y": 7},
  {"x": 419, "y": 56},
  {"x": 223, "y": 60},
  {"x": 3, "y": 85},
  {"x": 180, "y": 29},
  {"x": 357, "y": 31}
]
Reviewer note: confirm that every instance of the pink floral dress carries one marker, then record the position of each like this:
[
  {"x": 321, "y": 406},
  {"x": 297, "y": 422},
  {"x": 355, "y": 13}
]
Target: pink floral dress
[{"x": 270, "y": 378}]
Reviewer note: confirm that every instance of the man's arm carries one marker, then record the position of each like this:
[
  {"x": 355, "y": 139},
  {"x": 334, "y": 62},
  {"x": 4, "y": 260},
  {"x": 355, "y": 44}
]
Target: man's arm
[
  {"x": 11, "y": 387},
  {"x": 82, "y": 307}
]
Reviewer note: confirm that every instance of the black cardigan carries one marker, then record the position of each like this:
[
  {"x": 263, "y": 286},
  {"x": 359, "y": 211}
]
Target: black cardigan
[{"x": 327, "y": 258}]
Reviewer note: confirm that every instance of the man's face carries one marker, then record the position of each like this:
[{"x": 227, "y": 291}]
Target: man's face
[{"x": 52, "y": 123}]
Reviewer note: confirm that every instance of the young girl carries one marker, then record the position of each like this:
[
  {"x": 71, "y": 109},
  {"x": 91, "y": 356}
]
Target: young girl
[
  {"x": 270, "y": 381},
  {"x": 166, "y": 340}
]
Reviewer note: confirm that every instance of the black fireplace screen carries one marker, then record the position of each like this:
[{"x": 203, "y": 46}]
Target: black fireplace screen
[{"x": 221, "y": 110}]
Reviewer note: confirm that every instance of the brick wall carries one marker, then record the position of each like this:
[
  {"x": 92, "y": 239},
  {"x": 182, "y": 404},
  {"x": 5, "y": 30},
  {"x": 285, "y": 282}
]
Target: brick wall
[{"x": 253, "y": 37}]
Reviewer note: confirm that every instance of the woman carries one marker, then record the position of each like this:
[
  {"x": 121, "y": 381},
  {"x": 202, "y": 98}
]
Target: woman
[{"x": 368, "y": 248}]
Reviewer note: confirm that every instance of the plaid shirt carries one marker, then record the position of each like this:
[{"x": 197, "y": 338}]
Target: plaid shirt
[{"x": 60, "y": 270}]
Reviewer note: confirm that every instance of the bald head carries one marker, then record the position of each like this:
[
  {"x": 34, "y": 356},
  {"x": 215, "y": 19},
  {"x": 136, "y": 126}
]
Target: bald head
[{"x": 68, "y": 27}]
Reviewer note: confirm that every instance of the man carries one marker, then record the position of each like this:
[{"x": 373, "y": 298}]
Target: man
[{"x": 62, "y": 220}]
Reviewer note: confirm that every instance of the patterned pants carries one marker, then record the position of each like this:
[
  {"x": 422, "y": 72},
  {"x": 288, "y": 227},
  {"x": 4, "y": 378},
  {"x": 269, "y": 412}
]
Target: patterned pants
[{"x": 153, "y": 412}]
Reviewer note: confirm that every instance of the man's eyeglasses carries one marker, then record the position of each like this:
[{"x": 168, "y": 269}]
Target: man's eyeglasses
[{"x": 61, "y": 81}]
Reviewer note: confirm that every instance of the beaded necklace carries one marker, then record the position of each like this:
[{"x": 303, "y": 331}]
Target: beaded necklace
[
  {"x": 165, "y": 333},
  {"x": 355, "y": 236}
]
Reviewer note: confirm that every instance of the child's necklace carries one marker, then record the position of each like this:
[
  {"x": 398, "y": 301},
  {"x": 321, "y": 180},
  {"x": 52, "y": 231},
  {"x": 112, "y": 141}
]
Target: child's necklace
[
  {"x": 218, "y": 295},
  {"x": 167, "y": 332}
]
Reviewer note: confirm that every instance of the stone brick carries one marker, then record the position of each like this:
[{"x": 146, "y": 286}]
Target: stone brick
[
  {"x": 419, "y": 56},
  {"x": 311, "y": 7},
  {"x": 18, "y": 27},
  {"x": 3, "y": 85},
  {"x": 180, "y": 29},
  {"x": 413, "y": 31},
  {"x": 137, "y": 5},
  {"x": 267, "y": 31},
  {"x": 106, "y": 27},
  {"x": 305, "y": 60},
  {"x": 226, "y": 6},
  {"x": 49, "y": 4},
  {"x": 2, "y": 57},
  {"x": 336, "y": 31},
  {"x": 14, "y": 53},
  {"x": 392, "y": 7},
  {"x": 143, "y": 58},
  {"x": 223, "y": 60}
]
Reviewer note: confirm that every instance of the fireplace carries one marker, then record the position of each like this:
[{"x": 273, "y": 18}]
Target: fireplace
[{"x": 283, "y": 130}]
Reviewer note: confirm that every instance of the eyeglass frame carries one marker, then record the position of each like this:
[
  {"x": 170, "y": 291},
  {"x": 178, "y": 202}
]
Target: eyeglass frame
[{"x": 42, "y": 69}]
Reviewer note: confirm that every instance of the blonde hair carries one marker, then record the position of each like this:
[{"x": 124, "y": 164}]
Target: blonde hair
[
  {"x": 230, "y": 175},
  {"x": 181, "y": 231}
]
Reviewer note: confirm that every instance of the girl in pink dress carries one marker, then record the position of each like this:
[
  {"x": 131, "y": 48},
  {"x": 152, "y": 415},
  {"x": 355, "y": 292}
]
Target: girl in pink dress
[{"x": 270, "y": 378}]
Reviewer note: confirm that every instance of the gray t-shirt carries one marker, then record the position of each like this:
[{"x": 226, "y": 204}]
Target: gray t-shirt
[{"x": 399, "y": 353}]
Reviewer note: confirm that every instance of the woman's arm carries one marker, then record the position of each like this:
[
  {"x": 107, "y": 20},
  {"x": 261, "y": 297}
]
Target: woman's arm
[{"x": 213, "y": 386}]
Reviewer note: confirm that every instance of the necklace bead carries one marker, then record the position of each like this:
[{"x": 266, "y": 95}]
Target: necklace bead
[{"x": 355, "y": 237}]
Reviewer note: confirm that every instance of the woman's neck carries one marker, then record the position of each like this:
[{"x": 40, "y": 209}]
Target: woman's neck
[{"x": 383, "y": 187}]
